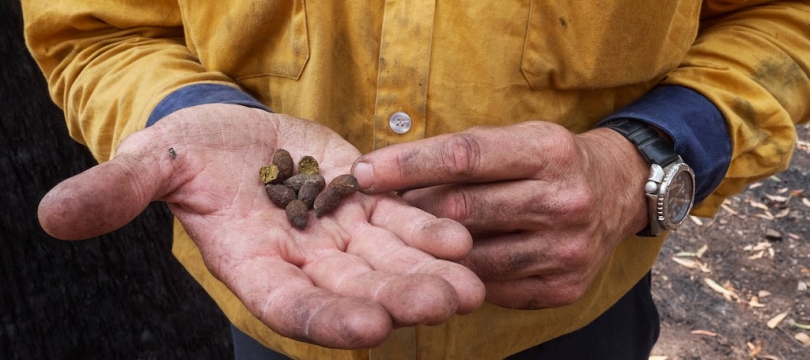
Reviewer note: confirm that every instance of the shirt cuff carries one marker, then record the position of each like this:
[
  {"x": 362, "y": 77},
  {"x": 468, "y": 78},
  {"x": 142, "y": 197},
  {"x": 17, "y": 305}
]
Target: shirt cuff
[
  {"x": 199, "y": 94},
  {"x": 696, "y": 127}
]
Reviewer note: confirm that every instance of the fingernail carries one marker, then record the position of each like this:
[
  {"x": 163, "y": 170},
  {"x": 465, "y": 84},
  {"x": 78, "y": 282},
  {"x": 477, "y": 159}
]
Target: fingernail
[{"x": 364, "y": 173}]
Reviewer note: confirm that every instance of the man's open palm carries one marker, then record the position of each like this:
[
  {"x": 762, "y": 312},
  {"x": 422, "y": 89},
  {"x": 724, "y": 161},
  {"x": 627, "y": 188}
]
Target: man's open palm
[{"x": 345, "y": 281}]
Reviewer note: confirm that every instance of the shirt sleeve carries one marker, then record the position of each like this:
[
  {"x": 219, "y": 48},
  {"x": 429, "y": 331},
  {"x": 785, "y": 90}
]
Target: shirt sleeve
[
  {"x": 751, "y": 59},
  {"x": 697, "y": 129},
  {"x": 109, "y": 66}
]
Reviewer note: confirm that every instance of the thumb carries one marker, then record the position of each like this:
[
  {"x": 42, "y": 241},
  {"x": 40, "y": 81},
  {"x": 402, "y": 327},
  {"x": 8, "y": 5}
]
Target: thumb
[{"x": 103, "y": 198}]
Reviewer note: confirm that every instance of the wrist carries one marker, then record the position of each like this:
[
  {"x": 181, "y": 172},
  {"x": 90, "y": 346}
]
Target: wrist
[
  {"x": 620, "y": 173},
  {"x": 670, "y": 188}
]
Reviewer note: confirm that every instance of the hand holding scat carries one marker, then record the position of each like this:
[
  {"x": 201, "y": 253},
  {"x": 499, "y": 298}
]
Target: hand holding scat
[{"x": 345, "y": 281}]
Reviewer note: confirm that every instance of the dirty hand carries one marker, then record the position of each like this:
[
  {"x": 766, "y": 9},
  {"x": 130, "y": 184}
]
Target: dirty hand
[
  {"x": 344, "y": 282},
  {"x": 546, "y": 207}
]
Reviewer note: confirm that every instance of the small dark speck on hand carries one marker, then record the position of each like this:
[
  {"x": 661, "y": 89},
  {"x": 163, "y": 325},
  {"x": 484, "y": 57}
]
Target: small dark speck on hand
[{"x": 172, "y": 153}]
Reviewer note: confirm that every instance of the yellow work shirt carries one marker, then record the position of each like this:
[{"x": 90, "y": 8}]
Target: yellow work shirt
[{"x": 449, "y": 65}]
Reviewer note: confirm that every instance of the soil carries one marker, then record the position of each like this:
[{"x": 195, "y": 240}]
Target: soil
[{"x": 758, "y": 245}]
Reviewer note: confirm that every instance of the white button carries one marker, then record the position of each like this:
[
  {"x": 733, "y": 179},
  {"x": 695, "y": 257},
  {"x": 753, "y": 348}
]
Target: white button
[{"x": 400, "y": 122}]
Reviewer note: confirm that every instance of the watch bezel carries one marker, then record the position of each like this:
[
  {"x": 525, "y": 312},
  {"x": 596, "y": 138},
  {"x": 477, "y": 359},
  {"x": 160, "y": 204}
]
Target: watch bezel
[{"x": 671, "y": 173}]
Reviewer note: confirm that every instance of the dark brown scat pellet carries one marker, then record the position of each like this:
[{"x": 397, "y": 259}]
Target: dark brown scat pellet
[
  {"x": 326, "y": 202},
  {"x": 297, "y": 213},
  {"x": 308, "y": 166},
  {"x": 280, "y": 194},
  {"x": 284, "y": 161},
  {"x": 299, "y": 180},
  {"x": 345, "y": 184},
  {"x": 339, "y": 187},
  {"x": 307, "y": 193},
  {"x": 268, "y": 174}
]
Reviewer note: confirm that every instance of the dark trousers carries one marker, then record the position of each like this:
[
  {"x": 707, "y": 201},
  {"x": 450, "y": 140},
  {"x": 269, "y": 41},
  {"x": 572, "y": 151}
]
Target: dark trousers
[{"x": 626, "y": 331}]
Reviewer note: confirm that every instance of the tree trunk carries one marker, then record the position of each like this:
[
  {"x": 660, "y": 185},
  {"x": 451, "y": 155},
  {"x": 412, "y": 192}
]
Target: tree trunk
[{"x": 119, "y": 296}]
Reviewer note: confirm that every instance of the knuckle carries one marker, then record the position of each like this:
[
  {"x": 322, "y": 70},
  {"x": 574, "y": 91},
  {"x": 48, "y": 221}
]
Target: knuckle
[
  {"x": 571, "y": 206},
  {"x": 461, "y": 155},
  {"x": 545, "y": 292},
  {"x": 565, "y": 290},
  {"x": 579, "y": 205},
  {"x": 457, "y": 206},
  {"x": 576, "y": 254},
  {"x": 570, "y": 294},
  {"x": 565, "y": 148}
]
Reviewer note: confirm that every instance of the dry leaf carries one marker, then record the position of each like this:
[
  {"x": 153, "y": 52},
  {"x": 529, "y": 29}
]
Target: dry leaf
[
  {"x": 803, "y": 326},
  {"x": 686, "y": 254},
  {"x": 658, "y": 357},
  {"x": 777, "y": 198},
  {"x": 761, "y": 246},
  {"x": 802, "y": 286},
  {"x": 793, "y": 236},
  {"x": 759, "y": 205},
  {"x": 705, "y": 268},
  {"x": 782, "y": 213},
  {"x": 704, "y": 332},
  {"x": 686, "y": 262},
  {"x": 767, "y": 216},
  {"x": 802, "y": 338},
  {"x": 774, "y": 322},
  {"x": 757, "y": 255},
  {"x": 755, "y": 185},
  {"x": 696, "y": 220},
  {"x": 748, "y": 247},
  {"x": 803, "y": 145},
  {"x": 782, "y": 190},
  {"x": 755, "y": 349},
  {"x": 763, "y": 293},
  {"x": 728, "y": 294},
  {"x": 702, "y": 251},
  {"x": 768, "y": 357},
  {"x": 805, "y": 270},
  {"x": 771, "y": 252},
  {"x": 806, "y": 202},
  {"x": 730, "y": 210},
  {"x": 754, "y": 303}
]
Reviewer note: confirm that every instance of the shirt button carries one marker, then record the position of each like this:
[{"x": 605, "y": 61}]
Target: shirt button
[{"x": 400, "y": 122}]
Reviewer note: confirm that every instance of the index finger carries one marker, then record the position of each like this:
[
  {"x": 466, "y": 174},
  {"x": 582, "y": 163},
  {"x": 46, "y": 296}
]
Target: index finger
[{"x": 480, "y": 154}]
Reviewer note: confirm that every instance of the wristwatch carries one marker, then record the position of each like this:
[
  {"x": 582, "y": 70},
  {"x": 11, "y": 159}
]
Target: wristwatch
[{"x": 670, "y": 188}]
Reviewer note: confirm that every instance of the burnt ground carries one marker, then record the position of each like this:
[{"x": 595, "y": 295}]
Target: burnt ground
[{"x": 758, "y": 249}]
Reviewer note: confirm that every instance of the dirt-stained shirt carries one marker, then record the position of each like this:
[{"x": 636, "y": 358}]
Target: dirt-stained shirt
[{"x": 449, "y": 65}]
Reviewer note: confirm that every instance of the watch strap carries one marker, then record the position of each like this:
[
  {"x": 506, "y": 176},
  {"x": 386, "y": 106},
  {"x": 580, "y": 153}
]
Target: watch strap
[{"x": 652, "y": 147}]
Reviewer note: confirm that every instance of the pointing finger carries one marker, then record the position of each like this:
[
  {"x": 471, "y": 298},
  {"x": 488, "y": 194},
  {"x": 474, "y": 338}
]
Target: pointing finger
[{"x": 476, "y": 155}]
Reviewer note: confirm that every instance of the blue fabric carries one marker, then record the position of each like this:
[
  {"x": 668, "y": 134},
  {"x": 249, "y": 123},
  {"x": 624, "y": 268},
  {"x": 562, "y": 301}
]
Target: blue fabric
[
  {"x": 199, "y": 94},
  {"x": 695, "y": 125}
]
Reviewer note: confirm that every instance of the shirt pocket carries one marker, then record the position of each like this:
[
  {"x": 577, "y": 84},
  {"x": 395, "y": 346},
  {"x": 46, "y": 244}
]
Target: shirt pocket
[
  {"x": 244, "y": 39},
  {"x": 601, "y": 44}
]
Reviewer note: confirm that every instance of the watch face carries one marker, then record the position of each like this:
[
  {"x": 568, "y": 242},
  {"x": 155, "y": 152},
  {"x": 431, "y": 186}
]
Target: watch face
[{"x": 679, "y": 197}]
